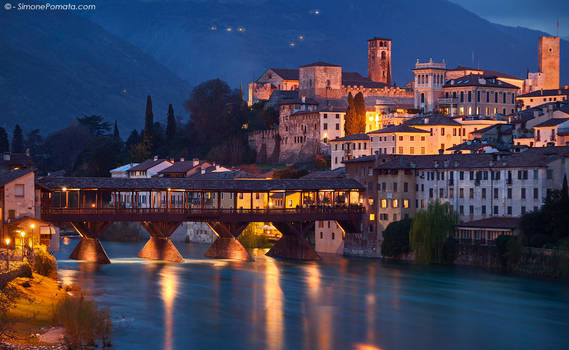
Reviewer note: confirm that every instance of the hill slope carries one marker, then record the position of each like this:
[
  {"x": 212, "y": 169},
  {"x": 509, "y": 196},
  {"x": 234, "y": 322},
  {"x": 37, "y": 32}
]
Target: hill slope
[
  {"x": 57, "y": 65},
  {"x": 180, "y": 35}
]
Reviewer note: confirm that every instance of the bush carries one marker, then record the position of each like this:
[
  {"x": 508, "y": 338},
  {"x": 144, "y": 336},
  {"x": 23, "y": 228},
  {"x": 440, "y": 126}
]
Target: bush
[
  {"x": 83, "y": 322},
  {"x": 44, "y": 263},
  {"x": 396, "y": 238},
  {"x": 509, "y": 250}
]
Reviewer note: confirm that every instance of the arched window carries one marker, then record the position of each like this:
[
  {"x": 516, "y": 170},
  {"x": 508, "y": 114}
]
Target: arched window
[{"x": 382, "y": 55}]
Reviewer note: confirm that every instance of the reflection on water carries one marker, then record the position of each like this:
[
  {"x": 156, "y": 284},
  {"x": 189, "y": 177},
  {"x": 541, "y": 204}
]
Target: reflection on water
[
  {"x": 273, "y": 306},
  {"x": 169, "y": 287},
  {"x": 337, "y": 303}
]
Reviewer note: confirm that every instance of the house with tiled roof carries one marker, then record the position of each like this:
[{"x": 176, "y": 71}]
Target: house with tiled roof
[
  {"x": 540, "y": 97},
  {"x": 348, "y": 147},
  {"x": 149, "y": 168},
  {"x": 399, "y": 139}
]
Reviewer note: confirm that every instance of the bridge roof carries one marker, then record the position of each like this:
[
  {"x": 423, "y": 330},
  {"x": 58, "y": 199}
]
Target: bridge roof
[{"x": 128, "y": 184}]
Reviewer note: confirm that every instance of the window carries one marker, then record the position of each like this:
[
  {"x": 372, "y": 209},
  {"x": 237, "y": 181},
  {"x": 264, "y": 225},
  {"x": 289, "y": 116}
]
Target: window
[
  {"x": 395, "y": 187},
  {"x": 333, "y": 235},
  {"x": 471, "y": 209},
  {"x": 325, "y": 115},
  {"x": 483, "y": 193},
  {"x": 523, "y": 210},
  {"x": 325, "y": 126},
  {"x": 461, "y": 175},
  {"x": 461, "y": 210},
  {"x": 395, "y": 203},
  {"x": 384, "y": 203},
  {"x": 451, "y": 192},
  {"x": 461, "y": 193},
  {"x": 509, "y": 193},
  {"x": 19, "y": 190},
  {"x": 405, "y": 203},
  {"x": 442, "y": 131},
  {"x": 337, "y": 126},
  {"x": 535, "y": 193},
  {"x": 523, "y": 193},
  {"x": 496, "y": 192},
  {"x": 469, "y": 96},
  {"x": 509, "y": 210},
  {"x": 441, "y": 192},
  {"x": 471, "y": 193},
  {"x": 483, "y": 210},
  {"x": 495, "y": 210},
  {"x": 405, "y": 187},
  {"x": 411, "y": 150},
  {"x": 400, "y": 138}
]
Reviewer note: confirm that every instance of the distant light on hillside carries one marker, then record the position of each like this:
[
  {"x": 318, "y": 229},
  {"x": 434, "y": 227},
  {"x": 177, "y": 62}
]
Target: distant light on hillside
[
  {"x": 213, "y": 28},
  {"x": 301, "y": 37},
  {"x": 292, "y": 44},
  {"x": 314, "y": 12},
  {"x": 228, "y": 29},
  {"x": 240, "y": 29}
]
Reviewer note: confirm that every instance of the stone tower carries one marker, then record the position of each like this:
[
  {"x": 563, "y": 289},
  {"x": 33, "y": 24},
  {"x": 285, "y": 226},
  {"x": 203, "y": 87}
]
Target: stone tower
[
  {"x": 379, "y": 60},
  {"x": 548, "y": 52}
]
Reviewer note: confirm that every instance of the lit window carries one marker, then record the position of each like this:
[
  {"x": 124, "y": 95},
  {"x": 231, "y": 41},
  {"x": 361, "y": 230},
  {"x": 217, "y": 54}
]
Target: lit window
[
  {"x": 395, "y": 203},
  {"x": 405, "y": 203}
]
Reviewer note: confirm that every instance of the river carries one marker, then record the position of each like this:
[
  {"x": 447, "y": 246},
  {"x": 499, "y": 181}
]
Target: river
[{"x": 337, "y": 303}]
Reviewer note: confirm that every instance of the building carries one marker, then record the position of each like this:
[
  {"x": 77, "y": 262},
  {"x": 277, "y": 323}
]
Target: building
[
  {"x": 444, "y": 132},
  {"x": 461, "y": 71},
  {"x": 149, "y": 168},
  {"x": 399, "y": 139},
  {"x": 485, "y": 231},
  {"x": 547, "y": 133},
  {"x": 185, "y": 168},
  {"x": 19, "y": 201},
  {"x": 331, "y": 123},
  {"x": 122, "y": 171},
  {"x": 299, "y": 130},
  {"x": 15, "y": 161},
  {"x": 478, "y": 186},
  {"x": 348, "y": 147},
  {"x": 429, "y": 80},
  {"x": 478, "y": 95},
  {"x": 379, "y": 60},
  {"x": 272, "y": 79},
  {"x": 540, "y": 97},
  {"x": 548, "y": 60}
]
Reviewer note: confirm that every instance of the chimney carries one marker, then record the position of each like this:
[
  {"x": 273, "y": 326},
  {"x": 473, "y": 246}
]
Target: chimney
[
  {"x": 303, "y": 99},
  {"x": 155, "y": 157},
  {"x": 181, "y": 159},
  {"x": 196, "y": 161},
  {"x": 6, "y": 156}
]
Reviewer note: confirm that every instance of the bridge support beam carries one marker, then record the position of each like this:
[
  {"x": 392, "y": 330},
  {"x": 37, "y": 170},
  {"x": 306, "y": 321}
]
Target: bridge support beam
[
  {"x": 292, "y": 245},
  {"x": 226, "y": 246},
  {"x": 90, "y": 248},
  {"x": 159, "y": 246}
]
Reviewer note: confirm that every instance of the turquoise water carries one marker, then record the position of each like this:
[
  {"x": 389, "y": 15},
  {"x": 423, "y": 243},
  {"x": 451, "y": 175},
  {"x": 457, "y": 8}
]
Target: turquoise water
[{"x": 337, "y": 303}]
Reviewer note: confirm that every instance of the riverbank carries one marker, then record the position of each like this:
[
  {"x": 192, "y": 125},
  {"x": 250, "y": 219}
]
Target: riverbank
[{"x": 29, "y": 320}]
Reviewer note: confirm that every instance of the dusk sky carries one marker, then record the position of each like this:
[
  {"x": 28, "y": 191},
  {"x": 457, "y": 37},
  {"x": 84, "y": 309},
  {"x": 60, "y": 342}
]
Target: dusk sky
[{"x": 539, "y": 15}]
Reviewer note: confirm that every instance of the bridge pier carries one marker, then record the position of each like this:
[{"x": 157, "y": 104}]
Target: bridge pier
[
  {"x": 90, "y": 248},
  {"x": 159, "y": 246},
  {"x": 226, "y": 246},
  {"x": 292, "y": 245}
]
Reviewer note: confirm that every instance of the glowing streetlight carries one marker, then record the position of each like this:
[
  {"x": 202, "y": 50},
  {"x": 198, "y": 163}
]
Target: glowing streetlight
[
  {"x": 32, "y": 225},
  {"x": 7, "y": 241}
]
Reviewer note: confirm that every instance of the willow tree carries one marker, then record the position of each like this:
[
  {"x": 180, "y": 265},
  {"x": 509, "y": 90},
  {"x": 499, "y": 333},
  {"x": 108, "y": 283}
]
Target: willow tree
[{"x": 429, "y": 231}]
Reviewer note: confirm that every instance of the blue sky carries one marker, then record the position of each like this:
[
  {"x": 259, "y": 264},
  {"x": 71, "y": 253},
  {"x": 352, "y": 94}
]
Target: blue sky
[{"x": 534, "y": 14}]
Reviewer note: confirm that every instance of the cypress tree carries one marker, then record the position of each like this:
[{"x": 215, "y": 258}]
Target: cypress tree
[
  {"x": 4, "y": 143},
  {"x": 18, "y": 140},
  {"x": 171, "y": 125},
  {"x": 148, "y": 128},
  {"x": 360, "y": 113},
  {"x": 116, "y": 130}
]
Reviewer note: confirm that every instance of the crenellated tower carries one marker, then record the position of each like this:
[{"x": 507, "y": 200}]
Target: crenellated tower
[{"x": 379, "y": 60}]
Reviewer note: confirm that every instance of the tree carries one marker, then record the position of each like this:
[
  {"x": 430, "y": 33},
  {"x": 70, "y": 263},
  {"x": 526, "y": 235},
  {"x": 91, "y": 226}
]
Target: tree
[
  {"x": 4, "y": 143},
  {"x": 170, "y": 126},
  {"x": 116, "y": 130},
  {"x": 148, "y": 128},
  {"x": 355, "y": 122},
  {"x": 18, "y": 140},
  {"x": 96, "y": 124},
  {"x": 101, "y": 155},
  {"x": 360, "y": 107},
  {"x": 396, "y": 238},
  {"x": 429, "y": 231}
]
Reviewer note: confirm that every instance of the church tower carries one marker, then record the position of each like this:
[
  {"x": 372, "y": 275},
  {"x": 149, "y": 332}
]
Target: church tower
[
  {"x": 379, "y": 60},
  {"x": 549, "y": 60}
]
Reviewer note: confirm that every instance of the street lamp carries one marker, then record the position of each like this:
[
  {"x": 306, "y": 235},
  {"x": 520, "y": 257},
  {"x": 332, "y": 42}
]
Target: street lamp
[
  {"x": 7, "y": 241},
  {"x": 22, "y": 234}
]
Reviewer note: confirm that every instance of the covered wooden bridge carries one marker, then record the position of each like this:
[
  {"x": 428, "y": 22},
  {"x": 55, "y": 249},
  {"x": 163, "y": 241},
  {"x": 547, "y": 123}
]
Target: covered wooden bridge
[{"x": 228, "y": 206}]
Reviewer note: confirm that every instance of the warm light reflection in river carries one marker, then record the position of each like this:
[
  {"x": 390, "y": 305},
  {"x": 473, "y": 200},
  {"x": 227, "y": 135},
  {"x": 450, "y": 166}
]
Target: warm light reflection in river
[
  {"x": 169, "y": 290},
  {"x": 273, "y": 306},
  {"x": 336, "y": 303}
]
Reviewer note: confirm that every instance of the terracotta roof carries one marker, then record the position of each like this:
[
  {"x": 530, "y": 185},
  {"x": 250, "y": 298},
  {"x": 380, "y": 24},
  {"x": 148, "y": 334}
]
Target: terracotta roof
[
  {"x": 473, "y": 145},
  {"x": 551, "y": 122},
  {"x": 360, "y": 159},
  {"x": 356, "y": 79},
  {"x": 165, "y": 183},
  {"x": 17, "y": 160},
  {"x": 550, "y": 92},
  {"x": 507, "y": 129},
  {"x": 353, "y": 137},
  {"x": 499, "y": 222},
  {"x": 320, "y": 64},
  {"x": 486, "y": 72},
  {"x": 181, "y": 167},
  {"x": 478, "y": 80},
  {"x": 533, "y": 157},
  {"x": 397, "y": 128},
  {"x": 337, "y": 173},
  {"x": 434, "y": 119},
  {"x": 11, "y": 175},
  {"x": 147, "y": 164},
  {"x": 305, "y": 112},
  {"x": 228, "y": 175},
  {"x": 286, "y": 73},
  {"x": 333, "y": 109}
]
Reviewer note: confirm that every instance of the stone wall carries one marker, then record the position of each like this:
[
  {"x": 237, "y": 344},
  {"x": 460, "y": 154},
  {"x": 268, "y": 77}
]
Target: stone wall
[
  {"x": 266, "y": 144},
  {"x": 299, "y": 137}
]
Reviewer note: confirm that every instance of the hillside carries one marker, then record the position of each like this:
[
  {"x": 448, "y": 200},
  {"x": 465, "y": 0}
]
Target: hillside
[
  {"x": 57, "y": 65},
  {"x": 180, "y": 35}
]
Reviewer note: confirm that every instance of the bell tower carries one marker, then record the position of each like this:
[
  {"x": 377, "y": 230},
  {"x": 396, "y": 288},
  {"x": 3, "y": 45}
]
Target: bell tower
[
  {"x": 548, "y": 51},
  {"x": 379, "y": 60}
]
